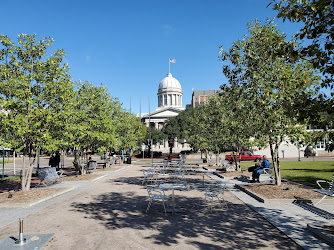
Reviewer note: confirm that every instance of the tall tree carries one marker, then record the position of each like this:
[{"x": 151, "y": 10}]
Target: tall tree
[
  {"x": 318, "y": 19},
  {"x": 261, "y": 63},
  {"x": 33, "y": 91}
]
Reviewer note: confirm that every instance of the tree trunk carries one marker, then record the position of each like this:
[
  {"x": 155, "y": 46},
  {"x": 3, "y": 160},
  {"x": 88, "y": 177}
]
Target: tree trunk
[{"x": 275, "y": 159}]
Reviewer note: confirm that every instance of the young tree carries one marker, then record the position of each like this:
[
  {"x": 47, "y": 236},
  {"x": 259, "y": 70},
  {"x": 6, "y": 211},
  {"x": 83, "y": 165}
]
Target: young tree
[
  {"x": 318, "y": 19},
  {"x": 94, "y": 121},
  {"x": 262, "y": 64},
  {"x": 129, "y": 131},
  {"x": 239, "y": 117},
  {"x": 33, "y": 91}
]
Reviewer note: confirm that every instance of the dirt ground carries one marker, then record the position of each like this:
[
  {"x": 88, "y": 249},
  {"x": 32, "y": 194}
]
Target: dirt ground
[
  {"x": 10, "y": 192},
  {"x": 284, "y": 191}
]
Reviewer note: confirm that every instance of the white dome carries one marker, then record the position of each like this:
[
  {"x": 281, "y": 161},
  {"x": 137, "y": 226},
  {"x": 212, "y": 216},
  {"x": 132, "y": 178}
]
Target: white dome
[{"x": 169, "y": 83}]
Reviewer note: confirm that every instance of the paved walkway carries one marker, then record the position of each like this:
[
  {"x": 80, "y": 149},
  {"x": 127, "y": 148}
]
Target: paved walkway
[
  {"x": 110, "y": 214},
  {"x": 291, "y": 219}
]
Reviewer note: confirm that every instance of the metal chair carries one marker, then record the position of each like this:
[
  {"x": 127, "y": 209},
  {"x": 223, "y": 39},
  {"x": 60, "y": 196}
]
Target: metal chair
[
  {"x": 215, "y": 192},
  {"x": 327, "y": 192},
  {"x": 150, "y": 175},
  {"x": 179, "y": 174},
  {"x": 156, "y": 194}
]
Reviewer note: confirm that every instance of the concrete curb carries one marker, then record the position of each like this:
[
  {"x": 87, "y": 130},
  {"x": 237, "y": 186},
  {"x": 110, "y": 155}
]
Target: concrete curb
[
  {"x": 259, "y": 198},
  {"x": 318, "y": 231},
  {"x": 32, "y": 203}
]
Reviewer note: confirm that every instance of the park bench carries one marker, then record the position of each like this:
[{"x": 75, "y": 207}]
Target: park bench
[
  {"x": 90, "y": 167},
  {"x": 267, "y": 176},
  {"x": 48, "y": 176}
]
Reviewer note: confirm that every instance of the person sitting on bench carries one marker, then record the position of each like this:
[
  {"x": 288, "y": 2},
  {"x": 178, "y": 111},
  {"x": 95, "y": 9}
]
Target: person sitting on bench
[{"x": 259, "y": 170}]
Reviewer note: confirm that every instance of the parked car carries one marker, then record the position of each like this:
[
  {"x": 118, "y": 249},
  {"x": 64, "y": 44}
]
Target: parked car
[{"x": 245, "y": 156}]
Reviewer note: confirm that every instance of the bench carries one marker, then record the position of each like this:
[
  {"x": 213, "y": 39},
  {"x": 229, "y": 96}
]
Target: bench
[
  {"x": 267, "y": 176},
  {"x": 90, "y": 167},
  {"x": 48, "y": 176}
]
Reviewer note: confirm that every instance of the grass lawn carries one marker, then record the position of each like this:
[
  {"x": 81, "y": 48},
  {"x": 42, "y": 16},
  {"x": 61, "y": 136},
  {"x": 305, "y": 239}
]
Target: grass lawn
[
  {"x": 9, "y": 179},
  {"x": 306, "y": 173},
  {"x": 6, "y": 162}
]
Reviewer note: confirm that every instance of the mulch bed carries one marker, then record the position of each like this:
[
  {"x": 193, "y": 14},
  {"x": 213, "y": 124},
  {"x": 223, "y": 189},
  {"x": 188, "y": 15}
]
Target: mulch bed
[
  {"x": 27, "y": 196},
  {"x": 10, "y": 192},
  {"x": 284, "y": 191}
]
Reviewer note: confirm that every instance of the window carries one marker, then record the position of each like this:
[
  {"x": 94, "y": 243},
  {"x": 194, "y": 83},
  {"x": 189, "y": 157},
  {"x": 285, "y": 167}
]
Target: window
[
  {"x": 165, "y": 100},
  {"x": 159, "y": 100}
]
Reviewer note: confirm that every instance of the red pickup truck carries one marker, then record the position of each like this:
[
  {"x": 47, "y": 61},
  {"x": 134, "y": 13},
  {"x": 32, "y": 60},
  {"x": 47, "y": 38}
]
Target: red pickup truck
[{"x": 245, "y": 156}]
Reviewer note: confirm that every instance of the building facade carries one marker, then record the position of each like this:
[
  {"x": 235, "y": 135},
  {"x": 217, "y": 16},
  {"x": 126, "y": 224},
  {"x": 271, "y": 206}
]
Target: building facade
[
  {"x": 199, "y": 97},
  {"x": 169, "y": 105}
]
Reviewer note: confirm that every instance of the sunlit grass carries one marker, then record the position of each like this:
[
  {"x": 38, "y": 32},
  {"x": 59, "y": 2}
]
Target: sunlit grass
[
  {"x": 9, "y": 179},
  {"x": 306, "y": 173},
  {"x": 6, "y": 162}
]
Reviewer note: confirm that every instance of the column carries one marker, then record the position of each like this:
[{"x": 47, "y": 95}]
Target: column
[
  {"x": 175, "y": 143},
  {"x": 156, "y": 125}
]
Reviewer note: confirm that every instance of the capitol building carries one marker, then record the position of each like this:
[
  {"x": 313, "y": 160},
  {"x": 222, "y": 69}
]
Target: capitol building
[{"x": 169, "y": 105}]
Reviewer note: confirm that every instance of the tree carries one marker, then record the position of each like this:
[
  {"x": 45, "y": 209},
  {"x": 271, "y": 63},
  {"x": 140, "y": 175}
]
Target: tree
[
  {"x": 239, "y": 128},
  {"x": 318, "y": 19},
  {"x": 272, "y": 80},
  {"x": 176, "y": 127},
  {"x": 33, "y": 91},
  {"x": 129, "y": 131}
]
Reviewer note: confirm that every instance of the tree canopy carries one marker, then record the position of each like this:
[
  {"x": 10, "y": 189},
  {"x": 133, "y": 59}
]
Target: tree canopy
[
  {"x": 41, "y": 107},
  {"x": 272, "y": 81}
]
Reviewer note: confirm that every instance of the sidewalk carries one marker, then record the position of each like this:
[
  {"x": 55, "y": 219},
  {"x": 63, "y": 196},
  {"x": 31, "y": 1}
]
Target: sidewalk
[
  {"x": 110, "y": 214},
  {"x": 289, "y": 218}
]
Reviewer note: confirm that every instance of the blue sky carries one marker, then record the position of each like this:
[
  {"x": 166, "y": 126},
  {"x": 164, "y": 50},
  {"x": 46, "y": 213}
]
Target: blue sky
[{"x": 125, "y": 45}]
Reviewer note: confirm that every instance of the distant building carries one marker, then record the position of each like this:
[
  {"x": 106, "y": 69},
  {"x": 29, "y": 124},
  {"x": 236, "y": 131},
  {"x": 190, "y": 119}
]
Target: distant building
[
  {"x": 199, "y": 97},
  {"x": 169, "y": 105}
]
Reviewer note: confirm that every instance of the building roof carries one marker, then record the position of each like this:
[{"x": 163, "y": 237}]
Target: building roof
[
  {"x": 169, "y": 83},
  {"x": 204, "y": 92}
]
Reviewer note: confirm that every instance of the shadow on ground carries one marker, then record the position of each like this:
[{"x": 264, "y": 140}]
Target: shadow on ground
[{"x": 238, "y": 227}]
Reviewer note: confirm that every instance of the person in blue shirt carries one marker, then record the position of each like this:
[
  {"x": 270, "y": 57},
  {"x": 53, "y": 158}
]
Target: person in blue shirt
[{"x": 259, "y": 170}]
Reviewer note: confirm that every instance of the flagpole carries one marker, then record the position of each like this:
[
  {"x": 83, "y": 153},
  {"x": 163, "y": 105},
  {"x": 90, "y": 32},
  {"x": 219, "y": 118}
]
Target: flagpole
[{"x": 169, "y": 65}]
